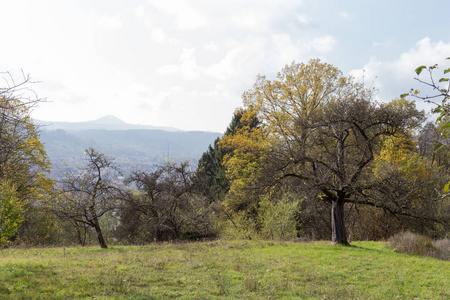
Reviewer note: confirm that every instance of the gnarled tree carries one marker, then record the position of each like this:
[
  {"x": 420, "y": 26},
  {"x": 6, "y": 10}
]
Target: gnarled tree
[
  {"x": 85, "y": 197},
  {"x": 324, "y": 131},
  {"x": 167, "y": 204}
]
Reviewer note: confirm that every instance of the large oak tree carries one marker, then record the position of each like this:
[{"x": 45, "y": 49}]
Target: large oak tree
[{"x": 324, "y": 131}]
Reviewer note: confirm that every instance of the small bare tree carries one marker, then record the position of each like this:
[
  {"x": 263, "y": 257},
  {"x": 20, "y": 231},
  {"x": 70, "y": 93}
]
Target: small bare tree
[
  {"x": 16, "y": 94},
  {"x": 85, "y": 197},
  {"x": 166, "y": 205}
]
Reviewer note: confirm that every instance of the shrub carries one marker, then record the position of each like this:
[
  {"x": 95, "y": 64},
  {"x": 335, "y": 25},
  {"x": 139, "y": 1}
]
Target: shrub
[
  {"x": 415, "y": 244},
  {"x": 10, "y": 213},
  {"x": 273, "y": 219},
  {"x": 444, "y": 248},
  {"x": 238, "y": 226},
  {"x": 277, "y": 218},
  {"x": 443, "y": 244}
]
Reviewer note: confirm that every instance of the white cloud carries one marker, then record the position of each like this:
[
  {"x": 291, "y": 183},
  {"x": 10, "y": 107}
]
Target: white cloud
[
  {"x": 393, "y": 78},
  {"x": 185, "y": 16},
  {"x": 323, "y": 44},
  {"x": 158, "y": 35},
  {"x": 305, "y": 21},
  {"x": 288, "y": 49},
  {"x": 211, "y": 46},
  {"x": 239, "y": 63},
  {"x": 140, "y": 11},
  {"x": 228, "y": 66},
  {"x": 167, "y": 70},
  {"x": 110, "y": 22},
  {"x": 382, "y": 44},
  {"x": 425, "y": 52},
  {"x": 187, "y": 68},
  {"x": 187, "y": 54},
  {"x": 179, "y": 58},
  {"x": 249, "y": 19},
  {"x": 343, "y": 15}
]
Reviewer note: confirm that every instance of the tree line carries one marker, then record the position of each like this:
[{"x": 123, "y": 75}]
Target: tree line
[{"x": 309, "y": 155}]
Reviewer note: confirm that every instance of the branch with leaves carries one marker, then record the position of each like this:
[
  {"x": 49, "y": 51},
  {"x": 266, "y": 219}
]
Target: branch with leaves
[{"x": 440, "y": 92}]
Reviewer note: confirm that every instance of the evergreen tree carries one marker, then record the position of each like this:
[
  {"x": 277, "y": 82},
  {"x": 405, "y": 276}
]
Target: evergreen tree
[{"x": 211, "y": 169}]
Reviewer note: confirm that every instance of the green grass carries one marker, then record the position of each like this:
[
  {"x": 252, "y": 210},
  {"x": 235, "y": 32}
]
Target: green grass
[{"x": 222, "y": 270}]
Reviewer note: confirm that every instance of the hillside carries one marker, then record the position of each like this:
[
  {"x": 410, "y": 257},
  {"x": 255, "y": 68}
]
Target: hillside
[
  {"x": 133, "y": 148},
  {"x": 103, "y": 123},
  {"x": 222, "y": 270}
]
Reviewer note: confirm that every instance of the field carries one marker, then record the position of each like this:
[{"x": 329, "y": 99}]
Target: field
[{"x": 222, "y": 270}]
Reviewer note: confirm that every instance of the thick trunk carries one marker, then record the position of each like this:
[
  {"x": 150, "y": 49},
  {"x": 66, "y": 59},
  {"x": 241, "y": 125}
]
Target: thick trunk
[
  {"x": 337, "y": 223},
  {"x": 101, "y": 240}
]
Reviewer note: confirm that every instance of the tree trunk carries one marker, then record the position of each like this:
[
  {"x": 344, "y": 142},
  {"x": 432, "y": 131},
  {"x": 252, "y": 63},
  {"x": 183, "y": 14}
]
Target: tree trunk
[
  {"x": 159, "y": 234},
  {"x": 81, "y": 233},
  {"x": 337, "y": 223},
  {"x": 101, "y": 240}
]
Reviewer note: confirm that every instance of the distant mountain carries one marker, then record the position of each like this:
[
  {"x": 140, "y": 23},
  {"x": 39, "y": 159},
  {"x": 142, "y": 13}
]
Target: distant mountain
[
  {"x": 134, "y": 147},
  {"x": 106, "y": 123}
]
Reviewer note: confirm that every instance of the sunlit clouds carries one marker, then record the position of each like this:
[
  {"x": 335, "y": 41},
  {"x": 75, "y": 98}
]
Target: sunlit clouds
[{"x": 186, "y": 64}]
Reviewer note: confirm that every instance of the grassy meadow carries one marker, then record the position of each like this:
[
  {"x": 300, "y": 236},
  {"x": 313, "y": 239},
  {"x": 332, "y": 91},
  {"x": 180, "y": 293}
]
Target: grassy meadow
[{"x": 222, "y": 270}]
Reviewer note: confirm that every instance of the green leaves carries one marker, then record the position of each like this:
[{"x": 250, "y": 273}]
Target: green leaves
[
  {"x": 404, "y": 95},
  {"x": 438, "y": 146},
  {"x": 446, "y": 125},
  {"x": 419, "y": 70},
  {"x": 11, "y": 212},
  {"x": 446, "y": 187},
  {"x": 443, "y": 79}
]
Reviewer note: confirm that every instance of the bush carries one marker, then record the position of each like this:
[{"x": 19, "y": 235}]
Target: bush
[
  {"x": 415, "y": 244},
  {"x": 277, "y": 218},
  {"x": 11, "y": 213},
  {"x": 444, "y": 248},
  {"x": 238, "y": 226},
  {"x": 273, "y": 219}
]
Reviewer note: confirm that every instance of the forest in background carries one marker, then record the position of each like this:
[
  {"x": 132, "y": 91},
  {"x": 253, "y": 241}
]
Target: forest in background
[{"x": 310, "y": 155}]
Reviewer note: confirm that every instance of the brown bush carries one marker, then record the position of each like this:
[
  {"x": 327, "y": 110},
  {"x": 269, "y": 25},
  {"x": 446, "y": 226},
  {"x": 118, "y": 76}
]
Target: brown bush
[
  {"x": 415, "y": 244},
  {"x": 444, "y": 248}
]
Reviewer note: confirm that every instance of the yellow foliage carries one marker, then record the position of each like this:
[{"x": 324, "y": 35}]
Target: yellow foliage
[
  {"x": 300, "y": 93},
  {"x": 23, "y": 159},
  {"x": 243, "y": 164},
  {"x": 398, "y": 153},
  {"x": 11, "y": 212}
]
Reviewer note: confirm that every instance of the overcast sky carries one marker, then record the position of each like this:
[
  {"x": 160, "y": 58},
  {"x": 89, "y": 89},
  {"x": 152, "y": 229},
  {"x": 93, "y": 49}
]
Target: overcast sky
[{"x": 185, "y": 64}]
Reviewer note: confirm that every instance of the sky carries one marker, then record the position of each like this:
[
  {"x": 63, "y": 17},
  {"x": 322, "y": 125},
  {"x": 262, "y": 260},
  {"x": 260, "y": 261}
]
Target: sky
[{"x": 186, "y": 64}]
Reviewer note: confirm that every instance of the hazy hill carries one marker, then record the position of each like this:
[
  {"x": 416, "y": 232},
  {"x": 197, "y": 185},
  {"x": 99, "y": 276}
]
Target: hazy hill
[
  {"x": 106, "y": 123},
  {"x": 133, "y": 147}
]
